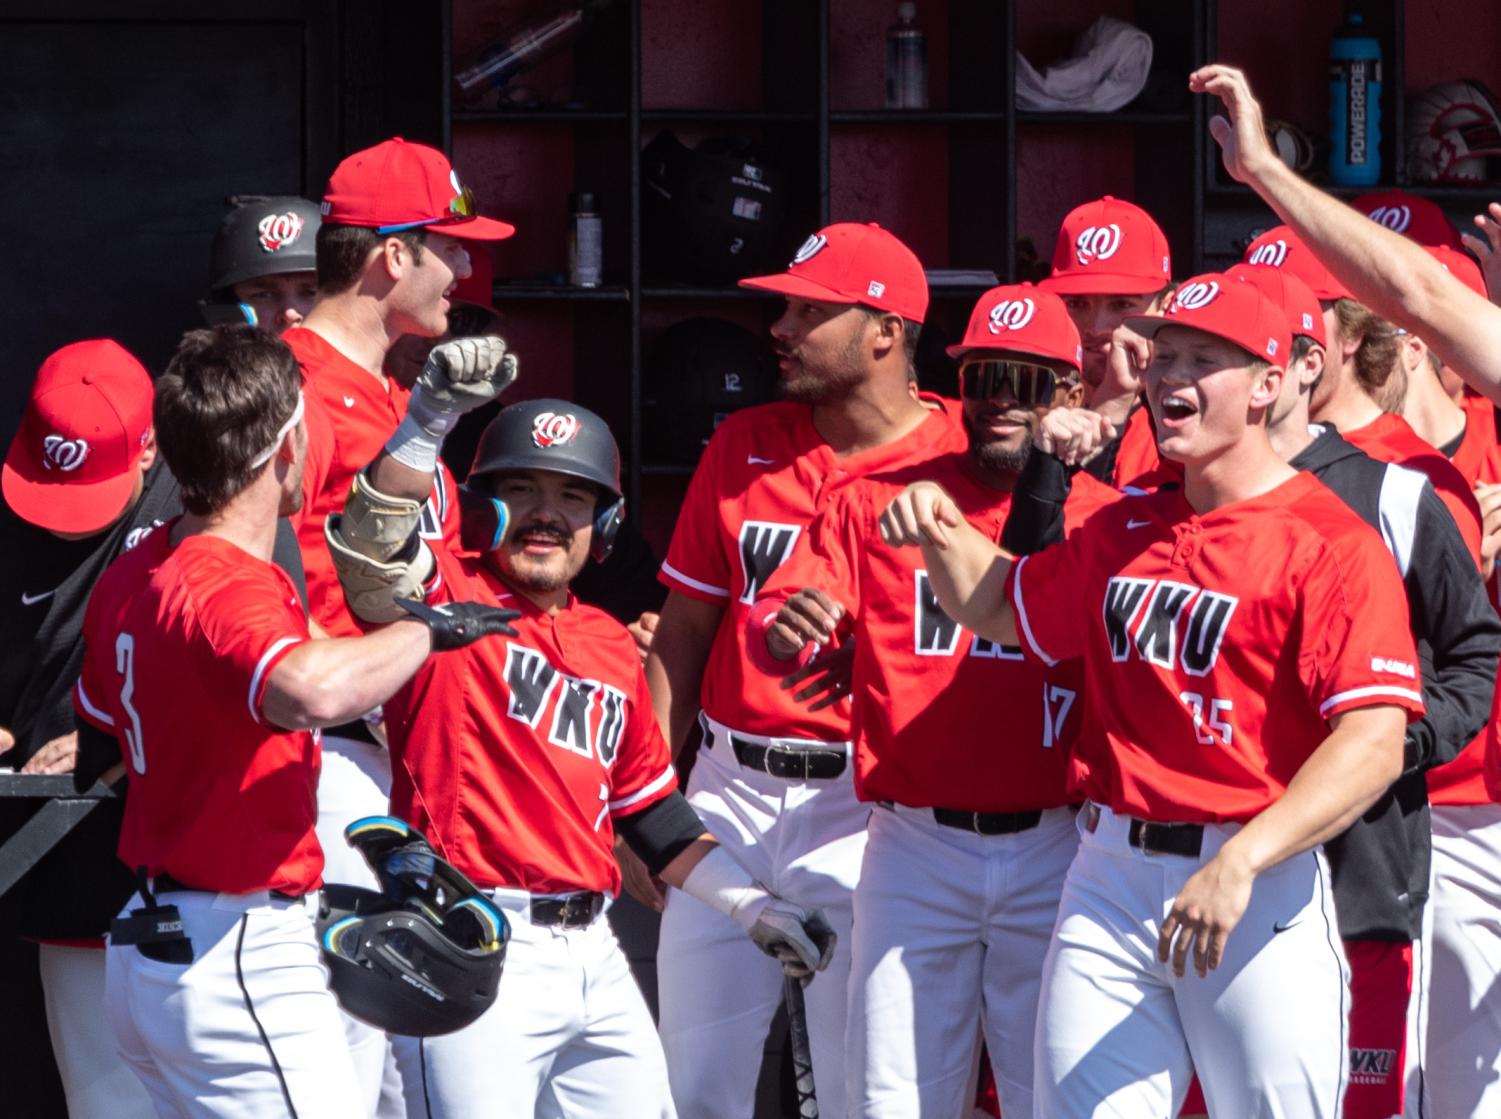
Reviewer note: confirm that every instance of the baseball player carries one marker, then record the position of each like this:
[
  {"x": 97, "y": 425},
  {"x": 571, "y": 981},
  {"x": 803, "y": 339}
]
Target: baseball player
[
  {"x": 520, "y": 759},
  {"x": 390, "y": 251},
  {"x": 1362, "y": 385},
  {"x": 1381, "y": 866},
  {"x": 82, "y": 483},
  {"x": 214, "y": 988},
  {"x": 773, "y": 781},
  {"x": 1111, "y": 261},
  {"x": 1250, "y": 681},
  {"x": 262, "y": 266},
  {"x": 1396, "y": 278},
  {"x": 972, "y": 833}
]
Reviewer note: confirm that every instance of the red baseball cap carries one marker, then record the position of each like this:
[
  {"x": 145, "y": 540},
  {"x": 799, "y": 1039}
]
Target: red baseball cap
[
  {"x": 1228, "y": 308},
  {"x": 1304, "y": 315},
  {"x": 396, "y": 185},
  {"x": 1280, "y": 247},
  {"x": 1417, "y": 218},
  {"x": 71, "y": 466},
  {"x": 850, "y": 262},
  {"x": 1461, "y": 265},
  {"x": 1110, "y": 247},
  {"x": 1022, "y": 319}
]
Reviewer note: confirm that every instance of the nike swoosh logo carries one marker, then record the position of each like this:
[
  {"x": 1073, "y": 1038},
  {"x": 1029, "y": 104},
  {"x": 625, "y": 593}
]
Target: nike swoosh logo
[
  {"x": 349, "y": 402},
  {"x": 33, "y": 599},
  {"x": 755, "y": 461},
  {"x": 1277, "y": 929},
  {"x": 1137, "y": 524}
]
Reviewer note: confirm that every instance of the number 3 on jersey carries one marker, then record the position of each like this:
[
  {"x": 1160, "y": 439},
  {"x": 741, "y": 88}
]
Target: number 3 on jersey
[{"x": 125, "y": 653}]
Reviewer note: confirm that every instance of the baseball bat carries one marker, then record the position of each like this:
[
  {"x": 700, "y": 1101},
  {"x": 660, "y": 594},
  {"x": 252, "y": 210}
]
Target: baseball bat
[{"x": 797, "y": 1038}]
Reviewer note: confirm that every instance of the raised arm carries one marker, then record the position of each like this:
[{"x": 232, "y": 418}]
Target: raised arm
[
  {"x": 967, "y": 571},
  {"x": 1384, "y": 270}
]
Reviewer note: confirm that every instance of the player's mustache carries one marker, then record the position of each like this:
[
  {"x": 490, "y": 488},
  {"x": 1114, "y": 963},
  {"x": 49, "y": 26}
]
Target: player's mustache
[{"x": 537, "y": 528}]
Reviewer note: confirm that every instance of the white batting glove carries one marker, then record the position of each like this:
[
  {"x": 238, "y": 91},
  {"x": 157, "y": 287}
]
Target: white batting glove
[
  {"x": 459, "y": 377},
  {"x": 800, "y": 939}
]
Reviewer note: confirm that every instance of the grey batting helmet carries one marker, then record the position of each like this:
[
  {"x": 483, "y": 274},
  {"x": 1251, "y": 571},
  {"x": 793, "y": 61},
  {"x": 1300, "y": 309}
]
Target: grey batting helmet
[{"x": 564, "y": 438}]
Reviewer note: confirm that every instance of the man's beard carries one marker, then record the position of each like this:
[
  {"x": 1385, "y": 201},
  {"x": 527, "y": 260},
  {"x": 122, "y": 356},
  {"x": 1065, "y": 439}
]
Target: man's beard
[
  {"x": 827, "y": 386},
  {"x": 996, "y": 456}
]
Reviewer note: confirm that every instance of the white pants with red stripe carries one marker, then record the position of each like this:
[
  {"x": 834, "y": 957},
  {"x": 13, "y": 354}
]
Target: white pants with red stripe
[
  {"x": 716, "y": 991},
  {"x": 249, "y": 1029},
  {"x": 950, "y": 932},
  {"x": 1463, "y": 1072},
  {"x": 569, "y": 1035},
  {"x": 1119, "y": 1035}
]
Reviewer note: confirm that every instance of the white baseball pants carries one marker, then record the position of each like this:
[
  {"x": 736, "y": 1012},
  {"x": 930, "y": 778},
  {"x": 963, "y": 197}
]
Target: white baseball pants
[
  {"x": 249, "y": 1029},
  {"x": 1119, "y": 1035},
  {"x": 355, "y": 781},
  {"x": 1463, "y": 1072},
  {"x": 950, "y": 933},
  {"x": 569, "y": 1035},
  {"x": 96, "y": 1080},
  {"x": 716, "y": 991}
]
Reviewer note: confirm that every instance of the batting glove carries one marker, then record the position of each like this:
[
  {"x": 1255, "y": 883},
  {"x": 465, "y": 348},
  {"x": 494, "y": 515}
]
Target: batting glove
[
  {"x": 459, "y": 377},
  {"x": 457, "y": 624},
  {"x": 801, "y": 940}
]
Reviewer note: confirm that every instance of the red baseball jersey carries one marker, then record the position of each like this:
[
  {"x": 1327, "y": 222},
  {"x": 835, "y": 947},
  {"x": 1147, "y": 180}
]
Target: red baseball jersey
[
  {"x": 514, "y": 755},
  {"x": 1390, "y": 438},
  {"x": 1475, "y": 776},
  {"x": 919, "y": 677},
  {"x": 764, "y": 476},
  {"x": 350, "y": 417},
  {"x": 1216, "y": 645},
  {"x": 180, "y": 644}
]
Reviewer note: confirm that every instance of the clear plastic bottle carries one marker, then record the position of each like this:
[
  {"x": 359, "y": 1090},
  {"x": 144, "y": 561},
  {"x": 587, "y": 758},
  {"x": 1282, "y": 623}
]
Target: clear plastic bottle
[
  {"x": 586, "y": 233},
  {"x": 906, "y": 61}
]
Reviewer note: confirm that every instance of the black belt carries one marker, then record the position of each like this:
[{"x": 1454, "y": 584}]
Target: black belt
[
  {"x": 357, "y": 729},
  {"x": 568, "y": 911},
  {"x": 793, "y": 763},
  {"x": 166, "y": 884},
  {"x": 1166, "y": 839},
  {"x": 987, "y": 823}
]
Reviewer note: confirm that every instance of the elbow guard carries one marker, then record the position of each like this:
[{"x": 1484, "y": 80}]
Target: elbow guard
[
  {"x": 661, "y": 832},
  {"x": 377, "y": 552}
]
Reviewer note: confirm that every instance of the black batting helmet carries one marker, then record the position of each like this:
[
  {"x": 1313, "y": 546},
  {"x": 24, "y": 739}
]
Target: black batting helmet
[
  {"x": 565, "y": 439},
  {"x": 694, "y": 374},
  {"x": 263, "y": 236},
  {"x": 423, "y": 955}
]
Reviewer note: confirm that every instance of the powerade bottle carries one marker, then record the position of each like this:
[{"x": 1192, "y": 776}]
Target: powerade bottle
[{"x": 1355, "y": 104}]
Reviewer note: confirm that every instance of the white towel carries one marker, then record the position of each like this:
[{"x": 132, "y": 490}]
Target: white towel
[{"x": 1108, "y": 69}]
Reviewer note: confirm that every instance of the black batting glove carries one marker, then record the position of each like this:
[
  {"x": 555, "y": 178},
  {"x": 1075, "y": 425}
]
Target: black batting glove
[{"x": 457, "y": 624}]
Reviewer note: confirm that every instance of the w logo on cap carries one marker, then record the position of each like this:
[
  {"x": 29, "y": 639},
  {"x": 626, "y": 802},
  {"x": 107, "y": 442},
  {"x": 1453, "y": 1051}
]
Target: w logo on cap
[
  {"x": 277, "y": 231},
  {"x": 1098, "y": 242},
  {"x": 1395, "y": 218},
  {"x": 554, "y": 429},
  {"x": 1191, "y": 297},
  {"x": 1011, "y": 314},
  {"x": 809, "y": 249},
  {"x": 1273, "y": 254},
  {"x": 64, "y": 454}
]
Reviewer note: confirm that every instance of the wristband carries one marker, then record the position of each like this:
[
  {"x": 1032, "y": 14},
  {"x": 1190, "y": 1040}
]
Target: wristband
[
  {"x": 414, "y": 447},
  {"x": 720, "y": 881}
]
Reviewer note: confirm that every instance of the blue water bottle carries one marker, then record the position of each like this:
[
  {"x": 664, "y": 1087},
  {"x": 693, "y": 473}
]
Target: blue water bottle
[{"x": 1355, "y": 104}]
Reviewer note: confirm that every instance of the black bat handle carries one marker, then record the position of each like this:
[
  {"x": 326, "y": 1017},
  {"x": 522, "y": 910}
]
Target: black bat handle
[{"x": 802, "y": 1056}]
